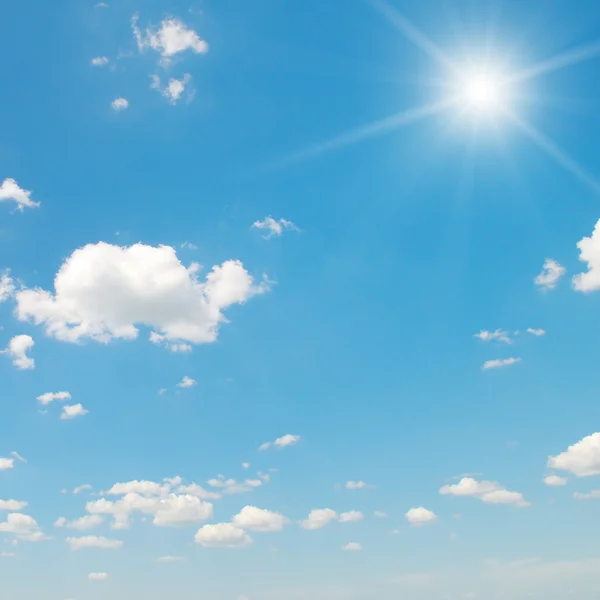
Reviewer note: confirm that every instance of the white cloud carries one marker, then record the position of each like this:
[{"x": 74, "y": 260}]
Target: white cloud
[
  {"x": 380, "y": 514},
  {"x": 420, "y": 516},
  {"x": 274, "y": 227},
  {"x": 171, "y": 38},
  {"x": 555, "y": 480},
  {"x": 17, "y": 349},
  {"x": 552, "y": 271},
  {"x": 319, "y": 518},
  {"x": 169, "y": 559},
  {"x": 72, "y": 411},
  {"x": 582, "y": 459},
  {"x": 92, "y": 541},
  {"x": 81, "y": 524},
  {"x": 149, "y": 488},
  {"x": 258, "y": 519},
  {"x": 49, "y": 397},
  {"x": 82, "y": 488},
  {"x": 245, "y": 465},
  {"x": 18, "y": 457},
  {"x": 231, "y": 486},
  {"x": 589, "y": 252},
  {"x": 120, "y": 104},
  {"x": 222, "y": 535},
  {"x": 10, "y": 190},
  {"x": 285, "y": 440},
  {"x": 193, "y": 489},
  {"x": 23, "y": 527},
  {"x": 7, "y": 554},
  {"x": 101, "y": 5},
  {"x": 536, "y": 332},
  {"x": 99, "y": 61},
  {"x": 186, "y": 382},
  {"x": 12, "y": 505},
  {"x": 352, "y": 547},
  {"x": 7, "y": 286},
  {"x": 500, "y": 335},
  {"x": 175, "y": 88},
  {"x": 98, "y": 576},
  {"x": 593, "y": 495},
  {"x": 6, "y": 463},
  {"x": 500, "y": 362},
  {"x": 126, "y": 287},
  {"x": 355, "y": 485},
  {"x": 352, "y": 516},
  {"x": 489, "y": 492}
]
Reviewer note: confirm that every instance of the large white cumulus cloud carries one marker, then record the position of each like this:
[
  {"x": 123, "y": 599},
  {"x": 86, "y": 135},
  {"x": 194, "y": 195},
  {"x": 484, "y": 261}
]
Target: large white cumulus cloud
[{"x": 104, "y": 291}]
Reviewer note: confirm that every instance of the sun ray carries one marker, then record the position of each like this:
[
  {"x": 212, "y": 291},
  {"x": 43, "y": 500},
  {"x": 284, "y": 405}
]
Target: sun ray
[
  {"x": 560, "y": 61},
  {"x": 555, "y": 152},
  {"x": 410, "y": 32},
  {"x": 366, "y": 131}
]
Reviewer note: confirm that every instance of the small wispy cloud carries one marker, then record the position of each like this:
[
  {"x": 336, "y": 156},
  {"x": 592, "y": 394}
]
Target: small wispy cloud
[
  {"x": 499, "y": 362},
  {"x": 120, "y": 104},
  {"x": 536, "y": 332},
  {"x": 274, "y": 227},
  {"x": 499, "y": 335},
  {"x": 99, "y": 61},
  {"x": 551, "y": 273}
]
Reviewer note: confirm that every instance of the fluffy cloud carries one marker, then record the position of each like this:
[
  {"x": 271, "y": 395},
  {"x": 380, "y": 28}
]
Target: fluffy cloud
[
  {"x": 119, "y": 104},
  {"x": 92, "y": 541},
  {"x": 150, "y": 488},
  {"x": 352, "y": 547},
  {"x": 555, "y": 480},
  {"x": 72, "y": 411},
  {"x": 81, "y": 524},
  {"x": 420, "y": 516},
  {"x": 500, "y": 362},
  {"x": 174, "y": 89},
  {"x": 193, "y": 489},
  {"x": 352, "y": 516},
  {"x": 258, "y": 519},
  {"x": 319, "y": 518},
  {"x": 6, "y": 463},
  {"x": 285, "y": 440},
  {"x": 589, "y": 252},
  {"x": 489, "y": 492},
  {"x": 7, "y": 286},
  {"x": 17, "y": 349},
  {"x": 186, "y": 382},
  {"x": 171, "y": 38},
  {"x": 10, "y": 190},
  {"x": 552, "y": 271},
  {"x": 581, "y": 459},
  {"x": 355, "y": 485},
  {"x": 23, "y": 527},
  {"x": 99, "y": 61},
  {"x": 274, "y": 227},
  {"x": 49, "y": 397},
  {"x": 536, "y": 332},
  {"x": 12, "y": 505},
  {"x": 593, "y": 495},
  {"x": 98, "y": 576},
  {"x": 222, "y": 535},
  {"x": 499, "y": 335},
  {"x": 103, "y": 292}
]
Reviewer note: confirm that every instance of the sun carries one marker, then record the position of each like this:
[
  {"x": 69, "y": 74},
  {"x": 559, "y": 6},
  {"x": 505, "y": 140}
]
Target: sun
[{"x": 482, "y": 92}]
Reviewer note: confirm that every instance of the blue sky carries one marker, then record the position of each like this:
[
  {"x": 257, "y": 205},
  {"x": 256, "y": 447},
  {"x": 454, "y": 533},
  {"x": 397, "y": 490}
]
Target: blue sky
[{"x": 299, "y": 300}]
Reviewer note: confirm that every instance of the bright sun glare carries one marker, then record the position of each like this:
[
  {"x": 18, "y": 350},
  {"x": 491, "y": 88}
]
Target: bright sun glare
[{"x": 483, "y": 93}]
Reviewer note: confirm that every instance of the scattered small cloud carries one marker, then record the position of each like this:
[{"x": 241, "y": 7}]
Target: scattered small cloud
[
  {"x": 189, "y": 246},
  {"x": 551, "y": 273},
  {"x": 489, "y": 492},
  {"x": 10, "y": 190},
  {"x": 187, "y": 382},
  {"x": 222, "y": 535},
  {"x": 536, "y": 332},
  {"x": 81, "y": 524},
  {"x": 319, "y": 518},
  {"x": 48, "y": 397},
  {"x": 380, "y": 514},
  {"x": 120, "y": 104},
  {"x": 252, "y": 518},
  {"x": 23, "y": 527},
  {"x": 274, "y": 227},
  {"x": 499, "y": 362},
  {"x": 18, "y": 457},
  {"x": 169, "y": 559},
  {"x": 72, "y": 411},
  {"x": 101, "y": 5},
  {"x": 593, "y": 495},
  {"x": 356, "y": 485},
  {"x": 98, "y": 576},
  {"x": 352, "y": 547},
  {"x": 420, "y": 516},
  {"x": 499, "y": 335},
  {"x": 282, "y": 442},
  {"x": 7, "y": 286},
  {"x": 245, "y": 465},
  {"x": 6, "y": 463},
  {"x": 13, "y": 505},
  {"x": 555, "y": 480},
  {"x": 92, "y": 541},
  {"x": 17, "y": 349},
  {"x": 86, "y": 487},
  {"x": 99, "y": 61},
  {"x": 352, "y": 516}
]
